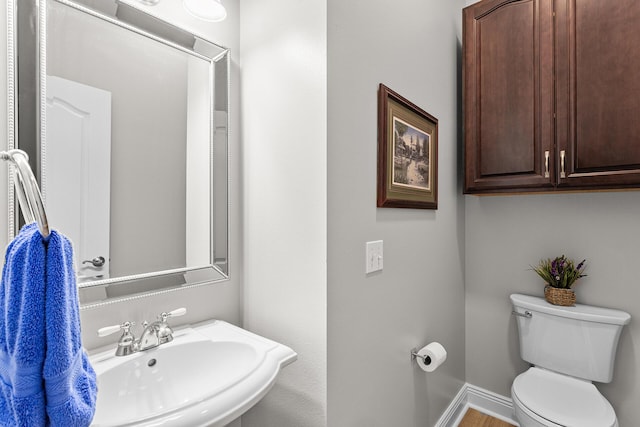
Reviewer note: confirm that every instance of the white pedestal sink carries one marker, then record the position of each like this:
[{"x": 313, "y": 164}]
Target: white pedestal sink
[{"x": 208, "y": 375}]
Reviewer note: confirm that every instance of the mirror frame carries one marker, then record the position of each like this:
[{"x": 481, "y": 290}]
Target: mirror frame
[{"x": 222, "y": 56}]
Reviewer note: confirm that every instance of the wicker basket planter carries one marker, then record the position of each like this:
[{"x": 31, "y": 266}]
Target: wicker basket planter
[{"x": 559, "y": 296}]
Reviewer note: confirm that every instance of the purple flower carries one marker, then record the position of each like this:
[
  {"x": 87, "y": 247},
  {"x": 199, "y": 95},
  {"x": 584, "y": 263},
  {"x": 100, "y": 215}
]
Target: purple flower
[{"x": 560, "y": 271}]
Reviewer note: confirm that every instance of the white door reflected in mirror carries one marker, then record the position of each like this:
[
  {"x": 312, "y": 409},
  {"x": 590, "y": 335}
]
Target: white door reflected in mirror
[{"x": 76, "y": 178}]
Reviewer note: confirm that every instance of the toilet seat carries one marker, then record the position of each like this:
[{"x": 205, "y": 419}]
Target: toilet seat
[
  {"x": 526, "y": 418},
  {"x": 563, "y": 400}
]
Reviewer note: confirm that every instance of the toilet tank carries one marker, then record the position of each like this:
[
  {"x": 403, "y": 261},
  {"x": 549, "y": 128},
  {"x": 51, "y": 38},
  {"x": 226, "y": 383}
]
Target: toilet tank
[{"x": 580, "y": 341}]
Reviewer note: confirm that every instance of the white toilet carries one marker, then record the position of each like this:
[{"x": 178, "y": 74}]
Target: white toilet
[{"x": 568, "y": 347}]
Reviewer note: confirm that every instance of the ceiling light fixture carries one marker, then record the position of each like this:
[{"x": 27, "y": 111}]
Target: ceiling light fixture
[{"x": 207, "y": 10}]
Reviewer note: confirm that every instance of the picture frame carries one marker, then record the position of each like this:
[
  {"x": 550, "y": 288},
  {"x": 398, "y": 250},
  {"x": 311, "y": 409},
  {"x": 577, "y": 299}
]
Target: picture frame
[{"x": 407, "y": 153}]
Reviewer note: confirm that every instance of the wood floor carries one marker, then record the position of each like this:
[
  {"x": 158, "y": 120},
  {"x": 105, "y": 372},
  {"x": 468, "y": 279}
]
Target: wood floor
[{"x": 473, "y": 418}]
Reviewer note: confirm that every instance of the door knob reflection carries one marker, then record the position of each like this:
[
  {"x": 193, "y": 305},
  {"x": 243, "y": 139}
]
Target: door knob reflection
[{"x": 96, "y": 262}]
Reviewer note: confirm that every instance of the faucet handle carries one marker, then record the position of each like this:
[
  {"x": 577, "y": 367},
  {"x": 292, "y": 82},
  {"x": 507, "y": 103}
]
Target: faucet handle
[
  {"x": 173, "y": 313},
  {"x": 108, "y": 330}
]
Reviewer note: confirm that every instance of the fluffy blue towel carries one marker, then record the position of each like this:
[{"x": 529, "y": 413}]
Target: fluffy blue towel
[{"x": 45, "y": 375}]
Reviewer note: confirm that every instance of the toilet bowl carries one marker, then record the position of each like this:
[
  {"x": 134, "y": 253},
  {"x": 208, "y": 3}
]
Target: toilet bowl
[
  {"x": 543, "y": 398},
  {"x": 568, "y": 348}
]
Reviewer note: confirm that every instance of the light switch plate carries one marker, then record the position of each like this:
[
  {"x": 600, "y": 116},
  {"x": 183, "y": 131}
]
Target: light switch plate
[{"x": 374, "y": 256}]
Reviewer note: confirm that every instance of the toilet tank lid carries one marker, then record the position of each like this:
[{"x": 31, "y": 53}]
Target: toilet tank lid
[{"x": 579, "y": 311}]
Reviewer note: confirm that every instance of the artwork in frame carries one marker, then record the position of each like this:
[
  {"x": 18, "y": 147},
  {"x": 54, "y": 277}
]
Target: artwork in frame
[{"x": 407, "y": 153}]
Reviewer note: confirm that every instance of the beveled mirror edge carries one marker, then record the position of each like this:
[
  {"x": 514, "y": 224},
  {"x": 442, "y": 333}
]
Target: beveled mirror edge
[
  {"x": 11, "y": 105},
  {"x": 12, "y": 134},
  {"x": 142, "y": 295}
]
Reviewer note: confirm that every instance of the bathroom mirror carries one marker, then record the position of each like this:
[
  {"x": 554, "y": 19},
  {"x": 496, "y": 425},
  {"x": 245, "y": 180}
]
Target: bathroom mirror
[{"x": 124, "y": 117}]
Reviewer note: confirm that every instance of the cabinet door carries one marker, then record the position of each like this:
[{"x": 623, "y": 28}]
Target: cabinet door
[
  {"x": 598, "y": 93},
  {"x": 508, "y": 95}
]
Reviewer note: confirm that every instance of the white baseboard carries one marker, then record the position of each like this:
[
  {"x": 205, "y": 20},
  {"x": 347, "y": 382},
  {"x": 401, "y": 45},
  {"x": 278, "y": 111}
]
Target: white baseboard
[
  {"x": 456, "y": 409},
  {"x": 485, "y": 401}
]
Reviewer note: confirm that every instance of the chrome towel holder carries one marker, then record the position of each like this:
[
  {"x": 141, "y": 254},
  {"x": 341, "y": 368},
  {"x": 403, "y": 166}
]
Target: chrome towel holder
[{"x": 27, "y": 190}]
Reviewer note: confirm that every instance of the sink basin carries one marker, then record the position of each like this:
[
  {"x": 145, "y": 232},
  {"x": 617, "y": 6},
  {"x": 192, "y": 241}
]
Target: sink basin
[{"x": 207, "y": 376}]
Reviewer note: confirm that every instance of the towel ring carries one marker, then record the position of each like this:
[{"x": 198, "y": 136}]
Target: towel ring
[{"x": 27, "y": 190}]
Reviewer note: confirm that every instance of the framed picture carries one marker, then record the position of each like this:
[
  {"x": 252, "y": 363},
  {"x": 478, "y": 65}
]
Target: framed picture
[{"x": 407, "y": 153}]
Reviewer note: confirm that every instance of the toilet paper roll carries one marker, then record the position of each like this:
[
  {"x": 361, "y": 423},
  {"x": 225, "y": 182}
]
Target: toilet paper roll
[{"x": 431, "y": 356}]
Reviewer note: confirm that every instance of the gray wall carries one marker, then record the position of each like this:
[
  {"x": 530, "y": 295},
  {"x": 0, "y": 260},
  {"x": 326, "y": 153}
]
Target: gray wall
[
  {"x": 374, "y": 321},
  {"x": 290, "y": 182},
  {"x": 284, "y": 138},
  {"x": 507, "y": 234}
]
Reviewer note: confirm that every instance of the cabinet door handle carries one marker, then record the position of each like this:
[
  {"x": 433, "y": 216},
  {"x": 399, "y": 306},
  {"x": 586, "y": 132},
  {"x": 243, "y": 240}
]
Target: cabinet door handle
[
  {"x": 546, "y": 164},
  {"x": 562, "y": 157}
]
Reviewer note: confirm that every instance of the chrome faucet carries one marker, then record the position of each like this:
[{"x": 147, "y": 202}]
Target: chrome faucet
[
  {"x": 153, "y": 335},
  {"x": 158, "y": 332}
]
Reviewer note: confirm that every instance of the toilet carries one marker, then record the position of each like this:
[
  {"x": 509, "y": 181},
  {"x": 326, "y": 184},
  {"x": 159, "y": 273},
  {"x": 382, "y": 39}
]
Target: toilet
[{"x": 568, "y": 348}]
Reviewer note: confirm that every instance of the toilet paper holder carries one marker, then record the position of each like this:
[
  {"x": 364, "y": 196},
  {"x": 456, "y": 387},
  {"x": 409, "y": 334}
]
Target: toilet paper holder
[{"x": 414, "y": 353}]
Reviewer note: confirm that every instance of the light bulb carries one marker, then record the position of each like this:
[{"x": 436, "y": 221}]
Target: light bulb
[{"x": 207, "y": 10}]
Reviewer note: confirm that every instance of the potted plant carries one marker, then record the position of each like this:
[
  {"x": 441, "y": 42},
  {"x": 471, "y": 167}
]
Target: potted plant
[{"x": 559, "y": 275}]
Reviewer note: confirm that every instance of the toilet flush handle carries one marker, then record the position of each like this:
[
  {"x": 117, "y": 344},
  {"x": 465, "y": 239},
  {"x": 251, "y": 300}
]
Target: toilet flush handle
[{"x": 526, "y": 314}]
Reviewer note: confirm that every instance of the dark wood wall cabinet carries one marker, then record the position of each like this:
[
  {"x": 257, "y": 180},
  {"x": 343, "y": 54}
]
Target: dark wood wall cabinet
[{"x": 551, "y": 95}]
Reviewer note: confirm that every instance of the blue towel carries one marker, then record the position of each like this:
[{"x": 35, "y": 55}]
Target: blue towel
[{"x": 45, "y": 375}]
